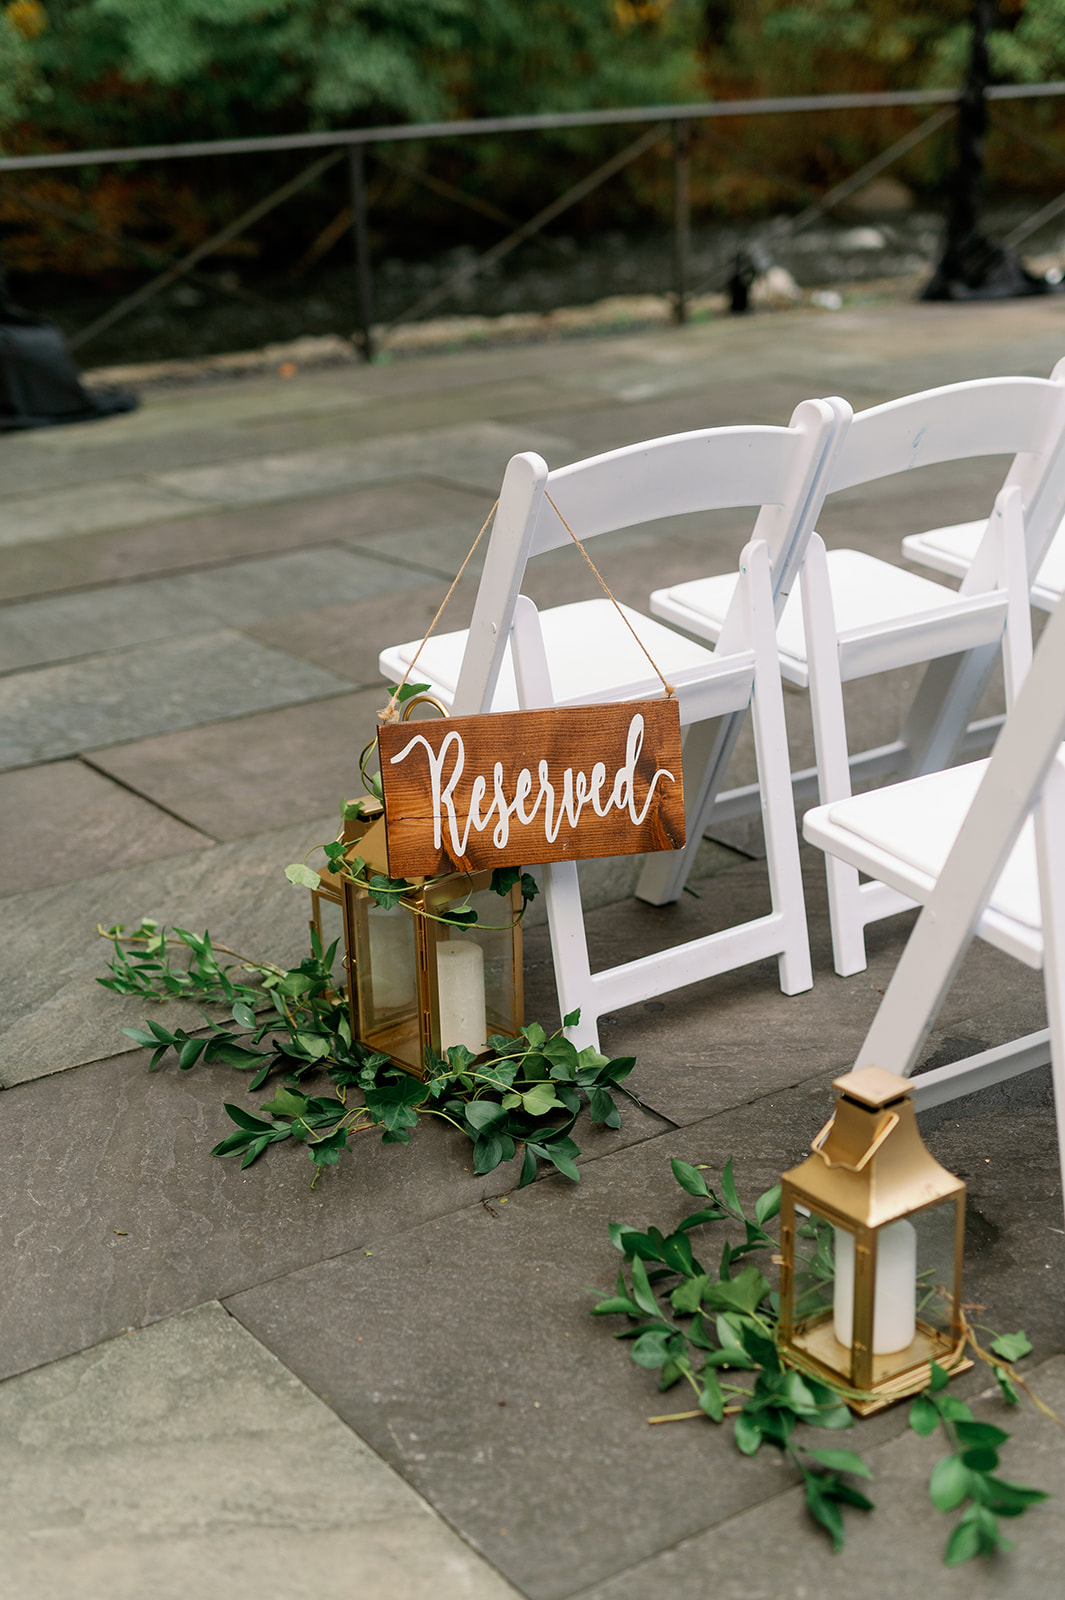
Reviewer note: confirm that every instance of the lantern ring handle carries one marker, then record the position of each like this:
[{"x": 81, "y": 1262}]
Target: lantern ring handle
[
  {"x": 416, "y": 699},
  {"x": 889, "y": 1126}
]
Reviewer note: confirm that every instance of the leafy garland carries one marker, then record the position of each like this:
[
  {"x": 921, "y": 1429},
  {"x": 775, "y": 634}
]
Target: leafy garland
[
  {"x": 729, "y": 1324},
  {"x": 524, "y": 1094}
]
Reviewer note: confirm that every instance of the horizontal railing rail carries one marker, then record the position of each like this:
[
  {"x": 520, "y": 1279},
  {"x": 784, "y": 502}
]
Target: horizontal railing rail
[
  {"x": 670, "y": 125},
  {"x": 535, "y": 122}
]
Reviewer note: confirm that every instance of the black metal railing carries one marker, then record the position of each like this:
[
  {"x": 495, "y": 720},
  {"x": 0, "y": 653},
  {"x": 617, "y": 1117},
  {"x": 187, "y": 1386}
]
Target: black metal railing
[{"x": 671, "y": 125}]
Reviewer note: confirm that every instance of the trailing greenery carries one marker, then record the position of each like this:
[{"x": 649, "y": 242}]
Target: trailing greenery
[
  {"x": 702, "y": 1325},
  {"x": 523, "y": 1095}
]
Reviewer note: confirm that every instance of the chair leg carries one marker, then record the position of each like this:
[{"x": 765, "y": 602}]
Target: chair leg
[
  {"x": 569, "y": 951},
  {"x": 1050, "y": 852},
  {"x": 708, "y": 747},
  {"x": 830, "y": 744},
  {"x": 774, "y": 779}
]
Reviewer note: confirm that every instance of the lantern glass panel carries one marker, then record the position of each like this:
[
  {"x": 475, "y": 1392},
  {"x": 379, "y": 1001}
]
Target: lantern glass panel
[
  {"x": 936, "y": 1231},
  {"x": 329, "y": 921},
  {"x": 387, "y": 978},
  {"x": 474, "y": 971},
  {"x": 823, "y": 1294}
]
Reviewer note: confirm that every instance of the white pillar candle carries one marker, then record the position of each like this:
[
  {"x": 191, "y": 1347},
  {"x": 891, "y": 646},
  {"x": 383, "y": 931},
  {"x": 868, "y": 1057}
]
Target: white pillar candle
[
  {"x": 895, "y": 1299},
  {"x": 391, "y": 957},
  {"x": 460, "y": 984}
]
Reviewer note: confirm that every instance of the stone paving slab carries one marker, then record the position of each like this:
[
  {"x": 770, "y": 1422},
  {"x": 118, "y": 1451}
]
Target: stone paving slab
[
  {"x": 184, "y": 1460},
  {"x": 116, "y": 1214},
  {"x": 64, "y": 820},
  {"x": 206, "y": 540},
  {"x": 563, "y": 1485},
  {"x": 83, "y": 508},
  {"x": 897, "y": 1549},
  {"x": 254, "y": 773},
  {"x": 65, "y": 626},
  {"x": 53, "y": 1013},
  {"x": 204, "y": 677},
  {"x": 473, "y": 455}
]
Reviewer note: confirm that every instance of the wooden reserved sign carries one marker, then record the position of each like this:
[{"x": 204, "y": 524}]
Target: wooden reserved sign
[{"x": 517, "y": 787}]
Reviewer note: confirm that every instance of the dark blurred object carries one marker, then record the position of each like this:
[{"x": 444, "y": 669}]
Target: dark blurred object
[
  {"x": 39, "y": 383},
  {"x": 744, "y": 272},
  {"x": 972, "y": 266}
]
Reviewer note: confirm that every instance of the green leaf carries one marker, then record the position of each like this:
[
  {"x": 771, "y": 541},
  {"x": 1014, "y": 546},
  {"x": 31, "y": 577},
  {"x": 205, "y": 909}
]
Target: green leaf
[
  {"x": 534, "y": 1034},
  {"x": 1012, "y": 1346},
  {"x": 711, "y": 1399},
  {"x": 767, "y": 1205},
  {"x": 1011, "y": 1499},
  {"x": 690, "y": 1179},
  {"x": 326, "y": 1152},
  {"x": 983, "y": 1435},
  {"x": 190, "y": 1053},
  {"x": 351, "y": 810},
  {"x": 244, "y": 1014},
  {"x": 744, "y": 1292},
  {"x": 245, "y": 1119},
  {"x": 939, "y": 1379},
  {"x": 964, "y": 1543},
  {"x": 487, "y": 1153},
  {"x": 617, "y": 1305},
  {"x": 601, "y": 1108},
  {"x": 841, "y": 1461},
  {"x": 748, "y": 1433},
  {"x": 300, "y": 875},
  {"x": 728, "y": 1190},
  {"x": 651, "y": 1349},
  {"x": 642, "y": 1292},
  {"x": 504, "y": 879},
  {"x": 571, "y": 1019},
  {"x": 540, "y": 1099},
  {"x": 254, "y": 1151},
  {"x": 949, "y": 1483},
  {"x": 408, "y": 690},
  {"x": 924, "y": 1417},
  {"x": 483, "y": 1115},
  {"x": 562, "y": 1161},
  {"x": 687, "y": 1297},
  {"x": 1009, "y": 1393},
  {"x": 823, "y": 1508},
  {"x": 286, "y": 1104},
  {"x": 528, "y": 1167}
]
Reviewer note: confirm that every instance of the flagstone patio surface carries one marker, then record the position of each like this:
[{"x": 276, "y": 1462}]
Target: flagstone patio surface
[{"x": 223, "y": 1383}]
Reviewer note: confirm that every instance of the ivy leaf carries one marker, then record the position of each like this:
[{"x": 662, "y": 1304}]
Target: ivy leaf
[
  {"x": 351, "y": 810},
  {"x": 690, "y": 1179},
  {"x": 487, "y": 1153},
  {"x": 540, "y": 1099},
  {"x": 651, "y": 1349},
  {"x": 1012, "y": 1346},
  {"x": 483, "y": 1115},
  {"x": 394, "y": 1103},
  {"x": 302, "y": 876},
  {"x": 287, "y": 1104},
  {"x": 504, "y": 879},
  {"x": 687, "y": 1297},
  {"x": 1009, "y": 1393},
  {"x": 326, "y": 1152}
]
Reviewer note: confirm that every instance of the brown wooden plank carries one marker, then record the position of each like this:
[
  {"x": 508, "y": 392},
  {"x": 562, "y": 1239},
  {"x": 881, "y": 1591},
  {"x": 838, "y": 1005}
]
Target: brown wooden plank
[{"x": 547, "y": 774}]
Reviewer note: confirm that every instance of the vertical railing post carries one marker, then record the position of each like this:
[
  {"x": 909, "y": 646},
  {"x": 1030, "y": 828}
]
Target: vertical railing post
[
  {"x": 681, "y": 216},
  {"x": 361, "y": 236}
]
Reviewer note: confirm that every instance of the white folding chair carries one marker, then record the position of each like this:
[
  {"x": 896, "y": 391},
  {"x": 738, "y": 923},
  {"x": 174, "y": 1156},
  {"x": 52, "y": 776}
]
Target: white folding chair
[
  {"x": 584, "y": 652},
  {"x": 982, "y": 848},
  {"x": 858, "y": 616}
]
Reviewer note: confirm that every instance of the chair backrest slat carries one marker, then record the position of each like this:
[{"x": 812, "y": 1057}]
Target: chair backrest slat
[
  {"x": 684, "y": 472},
  {"x": 990, "y": 416}
]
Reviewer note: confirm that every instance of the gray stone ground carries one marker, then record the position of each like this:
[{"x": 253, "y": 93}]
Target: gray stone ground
[{"x": 218, "y": 1382}]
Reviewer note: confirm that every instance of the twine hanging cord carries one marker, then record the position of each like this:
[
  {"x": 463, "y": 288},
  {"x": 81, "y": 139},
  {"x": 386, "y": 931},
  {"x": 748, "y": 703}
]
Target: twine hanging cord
[{"x": 391, "y": 711}]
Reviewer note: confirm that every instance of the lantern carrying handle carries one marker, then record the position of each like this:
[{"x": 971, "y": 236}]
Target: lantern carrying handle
[
  {"x": 416, "y": 699},
  {"x": 847, "y": 1166}
]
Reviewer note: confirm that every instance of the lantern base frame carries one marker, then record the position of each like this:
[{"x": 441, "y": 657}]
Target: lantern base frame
[{"x": 938, "y": 1347}]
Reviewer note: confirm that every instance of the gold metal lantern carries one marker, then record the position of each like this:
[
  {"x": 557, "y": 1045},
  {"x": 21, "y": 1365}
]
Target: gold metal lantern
[
  {"x": 872, "y": 1231},
  {"x": 413, "y": 981}
]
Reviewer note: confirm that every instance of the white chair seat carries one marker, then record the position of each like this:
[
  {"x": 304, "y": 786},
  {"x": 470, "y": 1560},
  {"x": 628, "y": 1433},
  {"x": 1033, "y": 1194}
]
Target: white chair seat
[
  {"x": 866, "y": 593},
  {"x": 590, "y": 652},
  {"x": 916, "y": 823},
  {"x": 951, "y": 550}
]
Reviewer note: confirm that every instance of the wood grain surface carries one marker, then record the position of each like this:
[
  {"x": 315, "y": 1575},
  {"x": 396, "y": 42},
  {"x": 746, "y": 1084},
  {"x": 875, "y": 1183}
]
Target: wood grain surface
[{"x": 518, "y": 787}]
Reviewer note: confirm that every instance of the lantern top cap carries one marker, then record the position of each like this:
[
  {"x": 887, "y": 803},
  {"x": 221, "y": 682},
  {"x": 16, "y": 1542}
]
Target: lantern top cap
[{"x": 872, "y": 1086}]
